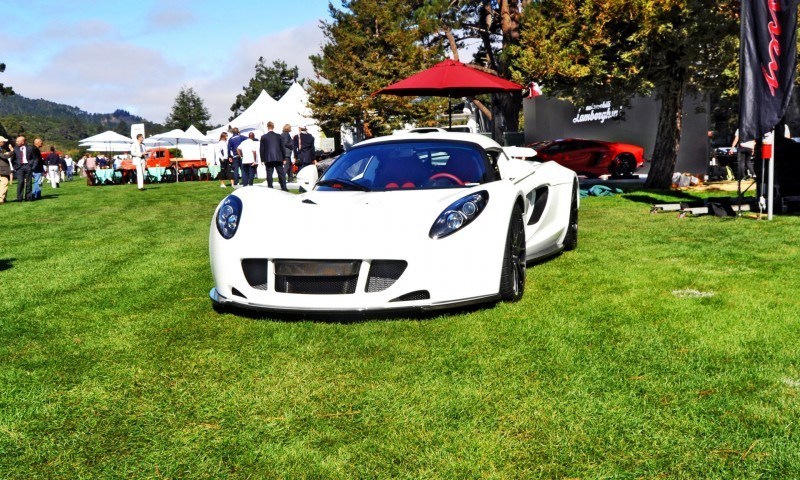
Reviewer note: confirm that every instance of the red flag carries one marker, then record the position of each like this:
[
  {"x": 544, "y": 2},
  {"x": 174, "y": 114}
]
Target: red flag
[{"x": 534, "y": 90}]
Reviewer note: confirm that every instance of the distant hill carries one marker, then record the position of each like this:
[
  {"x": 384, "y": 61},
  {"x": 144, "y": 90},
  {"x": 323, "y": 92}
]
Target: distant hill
[{"x": 61, "y": 125}]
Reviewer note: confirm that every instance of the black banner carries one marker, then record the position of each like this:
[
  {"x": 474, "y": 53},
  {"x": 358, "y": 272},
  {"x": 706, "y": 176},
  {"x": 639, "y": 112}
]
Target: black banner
[{"x": 767, "y": 58}]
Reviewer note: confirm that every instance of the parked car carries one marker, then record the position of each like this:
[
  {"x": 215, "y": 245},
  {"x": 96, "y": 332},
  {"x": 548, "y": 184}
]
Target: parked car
[
  {"x": 592, "y": 157},
  {"x": 408, "y": 221}
]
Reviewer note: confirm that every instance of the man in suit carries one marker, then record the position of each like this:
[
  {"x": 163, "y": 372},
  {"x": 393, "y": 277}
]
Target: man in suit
[
  {"x": 303, "y": 144},
  {"x": 24, "y": 160},
  {"x": 272, "y": 155}
]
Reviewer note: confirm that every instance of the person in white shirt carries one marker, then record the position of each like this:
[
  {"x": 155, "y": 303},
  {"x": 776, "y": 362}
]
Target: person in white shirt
[
  {"x": 248, "y": 150},
  {"x": 139, "y": 156},
  {"x": 221, "y": 158},
  {"x": 67, "y": 175}
]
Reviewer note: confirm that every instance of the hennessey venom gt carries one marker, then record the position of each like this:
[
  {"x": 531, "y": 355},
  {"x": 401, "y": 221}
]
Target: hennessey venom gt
[{"x": 412, "y": 221}]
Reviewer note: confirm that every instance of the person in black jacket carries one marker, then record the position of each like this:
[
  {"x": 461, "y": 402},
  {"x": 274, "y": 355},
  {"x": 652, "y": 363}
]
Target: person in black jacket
[
  {"x": 37, "y": 171},
  {"x": 53, "y": 162},
  {"x": 272, "y": 155},
  {"x": 24, "y": 163},
  {"x": 303, "y": 144},
  {"x": 6, "y": 156},
  {"x": 286, "y": 145}
]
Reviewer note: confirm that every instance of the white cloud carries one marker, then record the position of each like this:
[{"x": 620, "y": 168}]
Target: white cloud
[
  {"x": 292, "y": 46},
  {"x": 99, "y": 73}
]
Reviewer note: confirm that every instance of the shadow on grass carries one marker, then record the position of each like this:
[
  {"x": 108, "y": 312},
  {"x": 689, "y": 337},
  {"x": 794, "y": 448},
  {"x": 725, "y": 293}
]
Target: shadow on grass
[
  {"x": 679, "y": 196},
  {"x": 6, "y": 264},
  {"x": 353, "y": 317}
]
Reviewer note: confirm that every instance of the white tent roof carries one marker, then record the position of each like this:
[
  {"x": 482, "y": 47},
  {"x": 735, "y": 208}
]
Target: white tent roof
[
  {"x": 291, "y": 108},
  {"x": 107, "y": 147},
  {"x": 256, "y": 112},
  {"x": 109, "y": 136},
  {"x": 193, "y": 132}
]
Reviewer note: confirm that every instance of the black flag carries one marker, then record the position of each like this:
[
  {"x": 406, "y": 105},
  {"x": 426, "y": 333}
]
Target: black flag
[{"x": 767, "y": 61}]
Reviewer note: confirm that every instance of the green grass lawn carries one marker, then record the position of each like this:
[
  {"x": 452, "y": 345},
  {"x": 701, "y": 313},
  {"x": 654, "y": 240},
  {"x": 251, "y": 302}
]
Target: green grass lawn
[{"x": 661, "y": 348}]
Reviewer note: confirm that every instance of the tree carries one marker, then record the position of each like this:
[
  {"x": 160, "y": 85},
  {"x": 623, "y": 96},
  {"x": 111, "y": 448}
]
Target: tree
[
  {"x": 586, "y": 50},
  {"x": 276, "y": 80},
  {"x": 188, "y": 110},
  {"x": 496, "y": 24},
  {"x": 371, "y": 44},
  {"x": 4, "y": 91}
]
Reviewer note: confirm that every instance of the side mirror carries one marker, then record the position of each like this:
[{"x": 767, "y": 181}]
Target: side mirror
[{"x": 307, "y": 178}]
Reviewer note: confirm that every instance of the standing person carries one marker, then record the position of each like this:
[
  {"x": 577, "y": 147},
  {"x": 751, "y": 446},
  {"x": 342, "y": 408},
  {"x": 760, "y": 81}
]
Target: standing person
[
  {"x": 248, "y": 155},
  {"x": 6, "y": 157},
  {"x": 70, "y": 167},
  {"x": 744, "y": 165},
  {"x": 221, "y": 157},
  {"x": 303, "y": 144},
  {"x": 89, "y": 166},
  {"x": 235, "y": 156},
  {"x": 82, "y": 165},
  {"x": 23, "y": 169},
  {"x": 272, "y": 155},
  {"x": 37, "y": 170},
  {"x": 139, "y": 156},
  {"x": 286, "y": 146},
  {"x": 53, "y": 168}
]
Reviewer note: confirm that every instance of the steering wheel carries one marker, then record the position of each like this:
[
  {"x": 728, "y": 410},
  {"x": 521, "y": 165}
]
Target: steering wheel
[{"x": 446, "y": 175}]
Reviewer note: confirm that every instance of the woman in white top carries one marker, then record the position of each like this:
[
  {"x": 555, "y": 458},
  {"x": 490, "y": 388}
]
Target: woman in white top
[{"x": 221, "y": 159}]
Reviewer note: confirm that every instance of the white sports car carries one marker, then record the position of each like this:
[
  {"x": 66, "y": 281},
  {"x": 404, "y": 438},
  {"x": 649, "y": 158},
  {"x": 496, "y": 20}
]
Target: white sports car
[{"x": 413, "y": 221}]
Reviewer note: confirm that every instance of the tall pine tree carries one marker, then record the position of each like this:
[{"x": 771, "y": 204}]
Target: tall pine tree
[
  {"x": 188, "y": 110},
  {"x": 371, "y": 44}
]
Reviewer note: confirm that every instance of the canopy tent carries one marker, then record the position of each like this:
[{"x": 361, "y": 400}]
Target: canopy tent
[
  {"x": 189, "y": 142},
  {"x": 292, "y": 108},
  {"x": 107, "y": 147},
  {"x": 108, "y": 141}
]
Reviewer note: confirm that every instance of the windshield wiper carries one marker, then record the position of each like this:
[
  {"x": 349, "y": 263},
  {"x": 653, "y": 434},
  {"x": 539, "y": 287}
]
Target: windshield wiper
[{"x": 342, "y": 183}]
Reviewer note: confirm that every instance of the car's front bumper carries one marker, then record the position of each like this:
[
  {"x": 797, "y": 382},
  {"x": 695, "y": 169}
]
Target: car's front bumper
[{"x": 223, "y": 301}]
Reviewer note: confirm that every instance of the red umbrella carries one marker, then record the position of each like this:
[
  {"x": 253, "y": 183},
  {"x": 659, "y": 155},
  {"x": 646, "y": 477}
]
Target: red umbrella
[{"x": 450, "y": 79}]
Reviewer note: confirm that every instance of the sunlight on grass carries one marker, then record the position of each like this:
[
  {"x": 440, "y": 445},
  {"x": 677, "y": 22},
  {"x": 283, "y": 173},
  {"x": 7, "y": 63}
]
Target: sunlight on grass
[{"x": 113, "y": 363}]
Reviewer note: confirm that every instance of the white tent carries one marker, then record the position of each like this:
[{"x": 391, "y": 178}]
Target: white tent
[
  {"x": 292, "y": 108},
  {"x": 188, "y": 142},
  {"x": 108, "y": 141}
]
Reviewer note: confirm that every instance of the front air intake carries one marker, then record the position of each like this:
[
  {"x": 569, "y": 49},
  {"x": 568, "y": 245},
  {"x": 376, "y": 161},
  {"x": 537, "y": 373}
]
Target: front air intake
[
  {"x": 383, "y": 274},
  {"x": 317, "y": 277}
]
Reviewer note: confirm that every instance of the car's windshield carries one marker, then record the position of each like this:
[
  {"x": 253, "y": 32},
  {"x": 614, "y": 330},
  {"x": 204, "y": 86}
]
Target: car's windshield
[{"x": 407, "y": 165}]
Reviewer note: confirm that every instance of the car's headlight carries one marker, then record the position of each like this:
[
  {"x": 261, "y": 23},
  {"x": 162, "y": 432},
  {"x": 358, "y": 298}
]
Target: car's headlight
[
  {"x": 459, "y": 214},
  {"x": 229, "y": 215}
]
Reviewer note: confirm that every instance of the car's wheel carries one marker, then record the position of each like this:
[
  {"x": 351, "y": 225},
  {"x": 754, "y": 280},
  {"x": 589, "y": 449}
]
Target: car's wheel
[
  {"x": 622, "y": 166},
  {"x": 512, "y": 277},
  {"x": 571, "y": 238}
]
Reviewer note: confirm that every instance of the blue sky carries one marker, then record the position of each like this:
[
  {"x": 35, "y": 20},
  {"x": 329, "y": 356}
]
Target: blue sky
[{"x": 104, "y": 55}]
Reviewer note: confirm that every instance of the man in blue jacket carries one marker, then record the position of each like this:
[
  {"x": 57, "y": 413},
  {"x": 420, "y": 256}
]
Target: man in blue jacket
[{"x": 233, "y": 147}]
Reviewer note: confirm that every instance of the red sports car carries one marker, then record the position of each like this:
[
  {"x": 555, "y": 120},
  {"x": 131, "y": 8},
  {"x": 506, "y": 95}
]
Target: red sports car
[{"x": 592, "y": 157}]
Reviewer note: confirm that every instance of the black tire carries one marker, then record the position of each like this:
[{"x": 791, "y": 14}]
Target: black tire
[
  {"x": 512, "y": 276},
  {"x": 622, "y": 166},
  {"x": 571, "y": 238}
]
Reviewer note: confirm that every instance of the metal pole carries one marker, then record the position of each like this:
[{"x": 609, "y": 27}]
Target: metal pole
[{"x": 771, "y": 175}]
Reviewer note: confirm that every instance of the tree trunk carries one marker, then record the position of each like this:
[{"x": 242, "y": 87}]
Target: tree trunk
[
  {"x": 668, "y": 136},
  {"x": 509, "y": 104}
]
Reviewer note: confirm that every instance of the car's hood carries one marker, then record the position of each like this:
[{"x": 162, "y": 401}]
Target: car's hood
[{"x": 362, "y": 223}]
